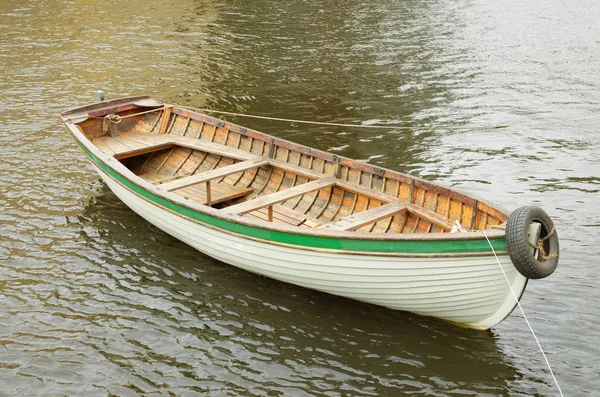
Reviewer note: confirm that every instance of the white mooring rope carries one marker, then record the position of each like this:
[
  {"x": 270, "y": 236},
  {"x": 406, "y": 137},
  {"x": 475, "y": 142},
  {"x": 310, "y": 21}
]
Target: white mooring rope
[{"x": 524, "y": 316}]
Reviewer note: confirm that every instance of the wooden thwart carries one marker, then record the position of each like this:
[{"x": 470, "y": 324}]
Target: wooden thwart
[
  {"x": 280, "y": 196},
  {"x": 356, "y": 221},
  {"x": 212, "y": 174},
  {"x": 153, "y": 142},
  {"x": 431, "y": 216}
]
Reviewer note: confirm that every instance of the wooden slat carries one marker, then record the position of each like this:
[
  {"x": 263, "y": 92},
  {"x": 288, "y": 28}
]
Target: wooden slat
[
  {"x": 99, "y": 142},
  {"x": 431, "y": 216},
  {"x": 165, "y": 120},
  {"x": 220, "y": 192},
  {"x": 192, "y": 143},
  {"x": 133, "y": 145},
  {"x": 281, "y": 214},
  {"x": 346, "y": 185},
  {"x": 115, "y": 145},
  {"x": 279, "y": 196},
  {"x": 213, "y": 174},
  {"x": 356, "y": 221}
]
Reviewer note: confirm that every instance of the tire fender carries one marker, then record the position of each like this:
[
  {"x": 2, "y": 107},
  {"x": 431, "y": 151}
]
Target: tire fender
[{"x": 532, "y": 260}]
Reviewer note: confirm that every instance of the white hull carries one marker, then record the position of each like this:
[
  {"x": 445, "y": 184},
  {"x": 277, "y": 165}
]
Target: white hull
[{"x": 471, "y": 290}]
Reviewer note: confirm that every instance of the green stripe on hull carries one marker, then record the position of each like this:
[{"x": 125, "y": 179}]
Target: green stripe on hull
[{"x": 303, "y": 240}]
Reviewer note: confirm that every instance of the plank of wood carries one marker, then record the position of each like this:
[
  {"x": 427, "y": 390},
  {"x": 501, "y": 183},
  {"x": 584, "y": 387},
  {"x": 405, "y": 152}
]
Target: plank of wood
[
  {"x": 431, "y": 216},
  {"x": 213, "y": 174},
  {"x": 189, "y": 142},
  {"x": 296, "y": 215},
  {"x": 356, "y": 221},
  {"x": 280, "y": 215},
  {"x": 115, "y": 145},
  {"x": 133, "y": 145},
  {"x": 278, "y": 197},
  {"x": 165, "y": 120},
  {"x": 343, "y": 184},
  {"x": 99, "y": 142},
  {"x": 219, "y": 193}
]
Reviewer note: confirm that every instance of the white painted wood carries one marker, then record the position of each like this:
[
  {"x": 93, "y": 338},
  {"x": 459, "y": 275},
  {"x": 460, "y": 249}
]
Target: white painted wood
[{"x": 470, "y": 290}]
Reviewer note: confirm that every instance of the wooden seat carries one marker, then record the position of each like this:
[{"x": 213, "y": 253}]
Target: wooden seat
[
  {"x": 280, "y": 196},
  {"x": 356, "y": 221},
  {"x": 132, "y": 144},
  {"x": 212, "y": 174},
  {"x": 431, "y": 216}
]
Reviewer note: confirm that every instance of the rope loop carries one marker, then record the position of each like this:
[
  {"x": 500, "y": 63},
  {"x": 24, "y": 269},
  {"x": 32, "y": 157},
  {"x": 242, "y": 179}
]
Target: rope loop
[
  {"x": 108, "y": 120},
  {"x": 540, "y": 245}
]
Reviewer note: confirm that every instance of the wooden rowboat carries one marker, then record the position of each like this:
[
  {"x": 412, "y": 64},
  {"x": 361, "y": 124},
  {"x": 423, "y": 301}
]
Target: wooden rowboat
[{"x": 312, "y": 218}]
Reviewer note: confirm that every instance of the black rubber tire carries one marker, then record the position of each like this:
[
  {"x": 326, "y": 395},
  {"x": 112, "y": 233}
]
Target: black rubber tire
[{"x": 519, "y": 249}]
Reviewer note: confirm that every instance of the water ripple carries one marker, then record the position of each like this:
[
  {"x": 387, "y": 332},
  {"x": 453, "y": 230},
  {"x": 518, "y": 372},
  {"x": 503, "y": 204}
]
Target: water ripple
[{"x": 98, "y": 302}]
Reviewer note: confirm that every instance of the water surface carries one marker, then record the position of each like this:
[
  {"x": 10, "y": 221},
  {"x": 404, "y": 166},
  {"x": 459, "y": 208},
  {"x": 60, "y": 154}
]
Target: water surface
[{"x": 95, "y": 301}]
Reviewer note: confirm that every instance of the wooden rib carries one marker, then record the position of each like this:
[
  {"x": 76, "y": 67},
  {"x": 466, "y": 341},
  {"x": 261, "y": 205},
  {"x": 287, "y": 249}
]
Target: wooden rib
[
  {"x": 473, "y": 224},
  {"x": 187, "y": 125},
  {"x": 386, "y": 227},
  {"x": 416, "y": 226},
  {"x": 309, "y": 206},
  {"x": 156, "y": 122},
  {"x": 165, "y": 121},
  {"x": 281, "y": 214},
  {"x": 213, "y": 174},
  {"x": 200, "y": 128},
  {"x": 165, "y": 160},
  {"x": 214, "y": 132},
  {"x": 278, "y": 197},
  {"x": 356, "y": 221},
  {"x": 296, "y": 178},
  {"x": 267, "y": 179},
  {"x": 324, "y": 205},
  {"x": 403, "y": 224},
  {"x": 187, "y": 157},
  {"x": 171, "y": 125}
]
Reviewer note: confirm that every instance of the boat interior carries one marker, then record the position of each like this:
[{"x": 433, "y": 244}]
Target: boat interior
[{"x": 242, "y": 171}]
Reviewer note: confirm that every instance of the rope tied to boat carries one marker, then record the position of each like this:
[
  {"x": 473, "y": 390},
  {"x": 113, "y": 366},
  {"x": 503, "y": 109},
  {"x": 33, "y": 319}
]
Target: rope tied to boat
[
  {"x": 108, "y": 120},
  {"x": 540, "y": 245},
  {"x": 523, "y": 311}
]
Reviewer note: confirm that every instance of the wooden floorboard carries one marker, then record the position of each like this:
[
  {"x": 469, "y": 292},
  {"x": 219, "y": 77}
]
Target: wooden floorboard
[{"x": 219, "y": 193}]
